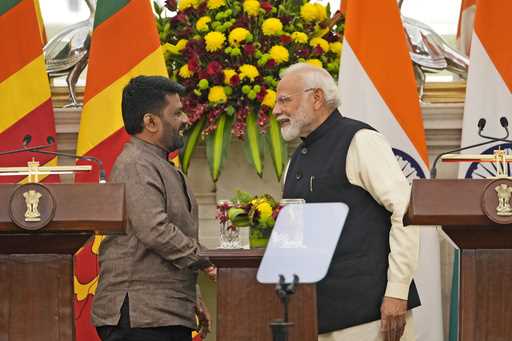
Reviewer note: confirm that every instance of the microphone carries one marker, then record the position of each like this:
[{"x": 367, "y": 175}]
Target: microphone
[
  {"x": 51, "y": 142},
  {"x": 27, "y": 139},
  {"x": 481, "y": 124}
]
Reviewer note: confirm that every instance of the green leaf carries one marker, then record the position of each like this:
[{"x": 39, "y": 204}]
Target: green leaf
[
  {"x": 253, "y": 144},
  {"x": 217, "y": 145},
  {"x": 238, "y": 217},
  {"x": 190, "y": 143},
  {"x": 278, "y": 147}
]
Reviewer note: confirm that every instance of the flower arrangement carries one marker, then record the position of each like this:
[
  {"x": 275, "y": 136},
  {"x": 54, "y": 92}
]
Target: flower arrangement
[
  {"x": 228, "y": 54},
  {"x": 257, "y": 212}
]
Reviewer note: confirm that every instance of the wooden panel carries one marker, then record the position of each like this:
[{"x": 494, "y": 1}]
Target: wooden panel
[
  {"x": 245, "y": 308},
  {"x": 79, "y": 207},
  {"x": 43, "y": 243},
  {"x": 36, "y": 294},
  {"x": 447, "y": 202},
  {"x": 235, "y": 258},
  {"x": 480, "y": 237},
  {"x": 486, "y": 295}
]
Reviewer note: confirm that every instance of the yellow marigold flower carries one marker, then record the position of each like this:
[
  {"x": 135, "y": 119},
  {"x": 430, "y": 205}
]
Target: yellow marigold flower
[
  {"x": 213, "y": 4},
  {"x": 336, "y": 47},
  {"x": 217, "y": 95},
  {"x": 252, "y": 7},
  {"x": 270, "y": 99},
  {"x": 272, "y": 26},
  {"x": 321, "y": 12},
  {"x": 184, "y": 4},
  {"x": 202, "y": 23},
  {"x": 185, "y": 72},
  {"x": 214, "y": 41},
  {"x": 228, "y": 73},
  {"x": 309, "y": 12},
  {"x": 300, "y": 37},
  {"x": 279, "y": 54},
  {"x": 249, "y": 71},
  {"x": 324, "y": 44},
  {"x": 238, "y": 35},
  {"x": 315, "y": 62},
  {"x": 265, "y": 211}
]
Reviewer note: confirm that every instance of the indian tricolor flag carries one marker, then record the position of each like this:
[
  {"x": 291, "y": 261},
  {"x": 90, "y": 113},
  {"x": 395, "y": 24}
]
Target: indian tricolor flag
[
  {"x": 125, "y": 43},
  {"x": 465, "y": 26},
  {"x": 25, "y": 98},
  {"x": 378, "y": 87},
  {"x": 489, "y": 85}
]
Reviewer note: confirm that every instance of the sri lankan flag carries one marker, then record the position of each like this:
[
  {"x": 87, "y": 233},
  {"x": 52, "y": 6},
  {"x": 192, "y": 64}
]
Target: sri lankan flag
[
  {"x": 125, "y": 43},
  {"x": 25, "y": 98}
]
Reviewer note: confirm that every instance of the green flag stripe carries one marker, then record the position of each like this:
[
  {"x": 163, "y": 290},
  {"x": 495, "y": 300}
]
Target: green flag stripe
[
  {"x": 454, "y": 301},
  {"x": 107, "y": 8},
  {"x": 6, "y": 5}
]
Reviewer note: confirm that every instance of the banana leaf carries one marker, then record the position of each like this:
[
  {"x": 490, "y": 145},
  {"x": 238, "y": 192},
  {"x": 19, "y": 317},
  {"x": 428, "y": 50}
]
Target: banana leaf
[
  {"x": 278, "y": 147},
  {"x": 253, "y": 145},
  {"x": 217, "y": 145},
  {"x": 191, "y": 140}
]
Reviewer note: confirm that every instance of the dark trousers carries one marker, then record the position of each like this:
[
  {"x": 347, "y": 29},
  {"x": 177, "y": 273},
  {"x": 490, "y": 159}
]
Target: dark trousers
[{"x": 123, "y": 331}]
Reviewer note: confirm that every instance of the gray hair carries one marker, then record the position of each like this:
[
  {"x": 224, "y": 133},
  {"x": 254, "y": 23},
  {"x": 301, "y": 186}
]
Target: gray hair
[{"x": 316, "y": 77}]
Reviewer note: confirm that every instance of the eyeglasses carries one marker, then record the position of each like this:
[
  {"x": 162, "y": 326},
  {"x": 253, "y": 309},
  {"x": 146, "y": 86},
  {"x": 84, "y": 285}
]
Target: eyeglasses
[{"x": 285, "y": 99}]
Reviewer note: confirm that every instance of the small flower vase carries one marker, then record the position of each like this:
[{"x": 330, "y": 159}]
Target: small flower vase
[{"x": 258, "y": 237}]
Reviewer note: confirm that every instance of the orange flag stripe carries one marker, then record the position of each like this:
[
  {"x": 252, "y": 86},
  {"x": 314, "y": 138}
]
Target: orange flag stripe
[
  {"x": 464, "y": 6},
  {"x": 393, "y": 77},
  {"x": 15, "y": 52},
  {"x": 118, "y": 46},
  {"x": 494, "y": 30}
]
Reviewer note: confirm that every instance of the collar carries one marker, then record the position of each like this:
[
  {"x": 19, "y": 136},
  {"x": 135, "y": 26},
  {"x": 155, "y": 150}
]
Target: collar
[
  {"x": 153, "y": 148},
  {"x": 322, "y": 129}
]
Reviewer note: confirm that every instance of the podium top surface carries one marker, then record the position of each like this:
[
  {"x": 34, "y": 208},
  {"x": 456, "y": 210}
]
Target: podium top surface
[
  {"x": 451, "y": 202},
  {"x": 78, "y": 208}
]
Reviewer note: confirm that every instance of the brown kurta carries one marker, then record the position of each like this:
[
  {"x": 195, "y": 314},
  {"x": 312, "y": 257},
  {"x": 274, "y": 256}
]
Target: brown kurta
[{"x": 154, "y": 262}]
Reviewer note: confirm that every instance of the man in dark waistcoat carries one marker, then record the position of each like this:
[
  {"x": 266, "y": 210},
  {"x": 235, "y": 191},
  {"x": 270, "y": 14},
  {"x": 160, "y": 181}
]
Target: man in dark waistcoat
[
  {"x": 147, "y": 277},
  {"x": 368, "y": 292}
]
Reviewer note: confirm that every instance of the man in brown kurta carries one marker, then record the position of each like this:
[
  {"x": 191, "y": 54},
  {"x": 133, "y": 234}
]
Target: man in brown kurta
[{"x": 147, "y": 283}]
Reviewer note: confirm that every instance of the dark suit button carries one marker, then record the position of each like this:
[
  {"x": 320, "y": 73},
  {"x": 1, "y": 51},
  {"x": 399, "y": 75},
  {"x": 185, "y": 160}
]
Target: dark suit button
[
  {"x": 298, "y": 176},
  {"x": 304, "y": 151}
]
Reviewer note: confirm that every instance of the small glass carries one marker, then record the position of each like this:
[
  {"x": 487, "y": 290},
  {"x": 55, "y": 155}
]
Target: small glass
[{"x": 228, "y": 235}]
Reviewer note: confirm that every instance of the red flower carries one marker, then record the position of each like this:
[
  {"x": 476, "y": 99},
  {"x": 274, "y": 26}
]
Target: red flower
[
  {"x": 249, "y": 49},
  {"x": 193, "y": 63},
  {"x": 267, "y": 6},
  {"x": 235, "y": 80},
  {"x": 318, "y": 50},
  {"x": 271, "y": 63},
  {"x": 285, "y": 40},
  {"x": 172, "y": 5},
  {"x": 214, "y": 68}
]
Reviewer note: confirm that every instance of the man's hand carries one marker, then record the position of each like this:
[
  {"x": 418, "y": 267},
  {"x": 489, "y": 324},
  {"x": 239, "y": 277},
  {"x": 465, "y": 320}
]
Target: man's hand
[
  {"x": 392, "y": 312},
  {"x": 204, "y": 318},
  {"x": 211, "y": 272}
]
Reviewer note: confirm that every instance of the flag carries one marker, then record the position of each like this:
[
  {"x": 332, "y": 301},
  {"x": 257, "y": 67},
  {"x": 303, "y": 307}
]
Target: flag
[
  {"x": 465, "y": 25},
  {"x": 25, "y": 97},
  {"x": 381, "y": 91},
  {"x": 489, "y": 84},
  {"x": 125, "y": 43},
  {"x": 488, "y": 96}
]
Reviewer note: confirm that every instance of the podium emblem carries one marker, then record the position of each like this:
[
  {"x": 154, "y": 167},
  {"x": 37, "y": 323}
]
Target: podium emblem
[
  {"x": 32, "y": 200},
  {"x": 504, "y": 194},
  {"x": 495, "y": 201},
  {"x": 32, "y": 206}
]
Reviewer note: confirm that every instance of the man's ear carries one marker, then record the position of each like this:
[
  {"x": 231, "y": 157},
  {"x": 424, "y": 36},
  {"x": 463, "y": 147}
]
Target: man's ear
[
  {"x": 319, "y": 98},
  {"x": 150, "y": 123}
]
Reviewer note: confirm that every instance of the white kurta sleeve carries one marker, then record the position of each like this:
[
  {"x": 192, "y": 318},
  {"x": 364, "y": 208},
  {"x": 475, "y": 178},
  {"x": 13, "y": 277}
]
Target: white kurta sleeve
[{"x": 372, "y": 166}]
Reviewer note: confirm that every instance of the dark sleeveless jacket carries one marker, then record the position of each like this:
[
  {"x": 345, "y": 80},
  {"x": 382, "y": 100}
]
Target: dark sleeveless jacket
[{"x": 352, "y": 292}]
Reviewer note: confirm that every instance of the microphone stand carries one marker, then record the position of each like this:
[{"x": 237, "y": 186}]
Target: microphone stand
[
  {"x": 284, "y": 291},
  {"x": 491, "y": 139}
]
